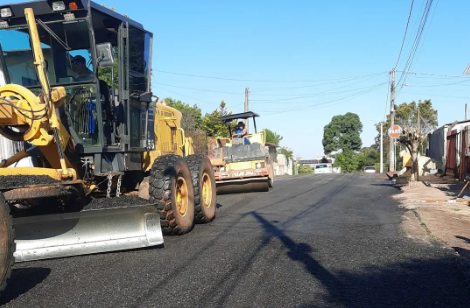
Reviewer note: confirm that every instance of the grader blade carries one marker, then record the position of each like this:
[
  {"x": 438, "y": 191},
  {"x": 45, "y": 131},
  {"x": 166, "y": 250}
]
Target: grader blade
[{"x": 86, "y": 232}]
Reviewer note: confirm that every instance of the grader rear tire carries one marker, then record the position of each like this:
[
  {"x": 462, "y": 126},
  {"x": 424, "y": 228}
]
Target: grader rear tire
[
  {"x": 7, "y": 244},
  {"x": 205, "y": 196},
  {"x": 171, "y": 188}
]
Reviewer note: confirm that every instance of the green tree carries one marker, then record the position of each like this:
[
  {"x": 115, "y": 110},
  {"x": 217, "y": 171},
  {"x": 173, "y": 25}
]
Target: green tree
[
  {"x": 305, "y": 169},
  {"x": 342, "y": 133},
  {"x": 348, "y": 160},
  {"x": 368, "y": 157},
  {"x": 212, "y": 126},
  {"x": 192, "y": 115},
  {"x": 406, "y": 115},
  {"x": 272, "y": 137},
  {"x": 288, "y": 153}
]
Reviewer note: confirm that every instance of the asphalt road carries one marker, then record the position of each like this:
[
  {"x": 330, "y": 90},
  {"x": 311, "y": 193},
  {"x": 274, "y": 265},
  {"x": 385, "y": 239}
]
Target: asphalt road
[{"x": 313, "y": 241}]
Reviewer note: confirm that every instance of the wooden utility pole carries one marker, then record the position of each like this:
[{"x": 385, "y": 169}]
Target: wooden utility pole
[
  {"x": 391, "y": 159},
  {"x": 381, "y": 147},
  {"x": 246, "y": 109}
]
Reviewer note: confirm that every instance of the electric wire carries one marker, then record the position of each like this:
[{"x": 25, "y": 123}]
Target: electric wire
[
  {"x": 416, "y": 43},
  {"x": 197, "y": 89},
  {"x": 406, "y": 31},
  {"x": 328, "y": 103}
]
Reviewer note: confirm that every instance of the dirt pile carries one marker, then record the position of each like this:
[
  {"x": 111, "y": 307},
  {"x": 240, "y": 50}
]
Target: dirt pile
[
  {"x": 122, "y": 201},
  {"x": 16, "y": 181}
]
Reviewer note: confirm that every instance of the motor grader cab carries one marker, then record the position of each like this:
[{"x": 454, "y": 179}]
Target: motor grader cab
[
  {"x": 242, "y": 164},
  {"x": 78, "y": 95}
]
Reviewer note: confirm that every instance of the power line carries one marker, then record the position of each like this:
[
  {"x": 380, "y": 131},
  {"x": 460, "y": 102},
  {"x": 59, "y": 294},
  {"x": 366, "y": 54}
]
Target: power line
[
  {"x": 197, "y": 89},
  {"x": 442, "y": 84},
  {"x": 191, "y": 97},
  {"x": 386, "y": 100},
  {"x": 328, "y": 103},
  {"x": 431, "y": 95},
  {"x": 184, "y": 95},
  {"x": 416, "y": 43},
  {"x": 437, "y": 75},
  {"x": 327, "y": 92},
  {"x": 346, "y": 79},
  {"x": 246, "y": 80},
  {"x": 406, "y": 30}
]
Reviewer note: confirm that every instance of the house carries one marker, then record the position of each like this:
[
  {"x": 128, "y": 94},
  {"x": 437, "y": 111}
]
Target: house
[
  {"x": 448, "y": 146},
  {"x": 318, "y": 161}
]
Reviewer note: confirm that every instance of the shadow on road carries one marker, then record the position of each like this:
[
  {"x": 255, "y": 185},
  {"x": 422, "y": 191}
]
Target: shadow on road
[
  {"x": 21, "y": 281},
  {"x": 462, "y": 251},
  {"x": 415, "y": 283}
]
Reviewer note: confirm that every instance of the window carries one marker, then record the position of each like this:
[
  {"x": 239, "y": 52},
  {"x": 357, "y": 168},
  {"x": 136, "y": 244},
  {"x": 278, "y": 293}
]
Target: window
[
  {"x": 82, "y": 113},
  {"x": 139, "y": 66},
  {"x": 62, "y": 65},
  {"x": 139, "y": 60}
]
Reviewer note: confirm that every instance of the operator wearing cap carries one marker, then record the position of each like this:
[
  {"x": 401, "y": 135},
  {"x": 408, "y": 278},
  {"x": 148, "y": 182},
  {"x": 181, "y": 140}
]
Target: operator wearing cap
[{"x": 79, "y": 67}]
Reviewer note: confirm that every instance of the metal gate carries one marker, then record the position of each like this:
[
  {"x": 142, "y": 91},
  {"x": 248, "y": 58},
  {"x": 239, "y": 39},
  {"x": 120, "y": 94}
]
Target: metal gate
[{"x": 451, "y": 159}]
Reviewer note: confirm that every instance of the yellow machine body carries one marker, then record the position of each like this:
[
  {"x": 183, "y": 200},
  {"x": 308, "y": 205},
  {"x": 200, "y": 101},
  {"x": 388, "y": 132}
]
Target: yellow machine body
[{"x": 242, "y": 176}]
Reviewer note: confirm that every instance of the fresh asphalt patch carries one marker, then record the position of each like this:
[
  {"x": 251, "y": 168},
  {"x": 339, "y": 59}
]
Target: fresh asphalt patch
[{"x": 313, "y": 241}]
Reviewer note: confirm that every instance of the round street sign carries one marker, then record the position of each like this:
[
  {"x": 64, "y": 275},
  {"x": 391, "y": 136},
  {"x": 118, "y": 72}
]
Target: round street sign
[{"x": 395, "y": 131}]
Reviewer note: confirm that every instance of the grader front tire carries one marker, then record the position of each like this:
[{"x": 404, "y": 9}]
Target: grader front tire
[{"x": 7, "y": 244}]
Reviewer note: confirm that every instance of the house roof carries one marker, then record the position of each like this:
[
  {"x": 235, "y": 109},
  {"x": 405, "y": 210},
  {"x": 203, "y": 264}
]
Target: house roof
[{"x": 316, "y": 161}]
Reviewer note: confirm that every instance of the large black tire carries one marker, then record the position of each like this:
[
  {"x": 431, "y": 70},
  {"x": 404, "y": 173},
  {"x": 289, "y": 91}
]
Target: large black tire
[
  {"x": 205, "y": 193},
  {"x": 171, "y": 188},
  {"x": 7, "y": 244}
]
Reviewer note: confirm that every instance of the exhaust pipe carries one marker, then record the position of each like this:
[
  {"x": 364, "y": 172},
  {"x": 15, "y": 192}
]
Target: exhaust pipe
[{"x": 86, "y": 232}]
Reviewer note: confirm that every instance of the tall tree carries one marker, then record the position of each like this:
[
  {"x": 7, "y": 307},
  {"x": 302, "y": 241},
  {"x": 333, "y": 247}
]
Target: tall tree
[
  {"x": 368, "y": 157},
  {"x": 192, "y": 120},
  {"x": 348, "y": 160},
  {"x": 272, "y": 137},
  {"x": 288, "y": 153},
  {"x": 406, "y": 115},
  {"x": 212, "y": 126},
  {"x": 343, "y": 133},
  {"x": 417, "y": 121}
]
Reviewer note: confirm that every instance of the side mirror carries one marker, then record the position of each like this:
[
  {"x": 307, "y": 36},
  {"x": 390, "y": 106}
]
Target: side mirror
[
  {"x": 145, "y": 97},
  {"x": 104, "y": 53}
]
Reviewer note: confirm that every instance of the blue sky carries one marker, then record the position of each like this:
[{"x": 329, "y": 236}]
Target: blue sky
[{"x": 305, "y": 61}]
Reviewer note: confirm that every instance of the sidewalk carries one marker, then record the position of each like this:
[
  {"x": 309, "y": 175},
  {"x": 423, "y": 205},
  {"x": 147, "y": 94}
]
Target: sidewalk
[{"x": 435, "y": 215}]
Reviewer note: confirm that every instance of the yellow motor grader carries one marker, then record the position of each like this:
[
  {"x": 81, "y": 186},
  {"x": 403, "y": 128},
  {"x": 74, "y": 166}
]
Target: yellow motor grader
[{"x": 77, "y": 95}]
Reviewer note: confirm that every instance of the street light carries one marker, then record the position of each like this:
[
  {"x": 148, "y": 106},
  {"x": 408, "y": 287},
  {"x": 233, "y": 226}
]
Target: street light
[{"x": 381, "y": 146}]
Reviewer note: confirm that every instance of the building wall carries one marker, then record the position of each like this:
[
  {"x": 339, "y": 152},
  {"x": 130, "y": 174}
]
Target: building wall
[{"x": 283, "y": 166}]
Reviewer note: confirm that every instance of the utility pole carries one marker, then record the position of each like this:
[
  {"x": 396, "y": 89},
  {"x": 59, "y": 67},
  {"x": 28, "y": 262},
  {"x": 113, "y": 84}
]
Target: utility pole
[
  {"x": 381, "y": 147},
  {"x": 465, "y": 112},
  {"x": 246, "y": 110},
  {"x": 391, "y": 162}
]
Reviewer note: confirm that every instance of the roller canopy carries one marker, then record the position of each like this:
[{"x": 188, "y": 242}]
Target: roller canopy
[{"x": 244, "y": 115}]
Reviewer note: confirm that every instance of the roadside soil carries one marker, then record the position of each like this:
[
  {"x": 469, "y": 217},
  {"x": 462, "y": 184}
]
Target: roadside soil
[{"x": 436, "y": 215}]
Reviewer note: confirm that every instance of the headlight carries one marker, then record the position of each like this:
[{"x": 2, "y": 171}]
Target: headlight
[
  {"x": 222, "y": 169},
  {"x": 258, "y": 165},
  {"x": 6, "y": 12},
  {"x": 58, "y": 6}
]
